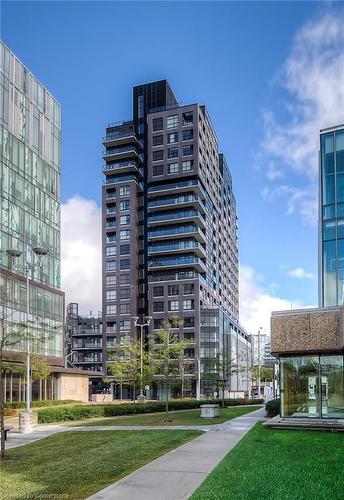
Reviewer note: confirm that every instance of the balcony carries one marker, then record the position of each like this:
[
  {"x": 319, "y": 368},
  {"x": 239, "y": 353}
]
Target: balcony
[
  {"x": 177, "y": 188},
  {"x": 179, "y": 247},
  {"x": 120, "y": 153},
  {"x": 179, "y": 201},
  {"x": 178, "y": 216},
  {"x": 86, "y": 331},
  {"x": 174, "y": 232},
  {"x": 87, "y": 345},
  {"x": 181, "y": 261},
  {"x": 87, "y": 361},
  {"x": 175, "y": 276},
  {"x": 126, "y": 135},
  {"x": 120, "y": 167}
]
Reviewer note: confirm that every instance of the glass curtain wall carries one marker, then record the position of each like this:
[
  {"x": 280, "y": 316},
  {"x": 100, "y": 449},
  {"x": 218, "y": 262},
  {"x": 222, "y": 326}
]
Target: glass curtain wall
[{"x": 312, "y": 386}]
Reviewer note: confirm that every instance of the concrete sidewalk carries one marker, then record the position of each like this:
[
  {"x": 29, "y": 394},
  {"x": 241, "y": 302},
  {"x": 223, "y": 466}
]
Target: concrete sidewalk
[{"x": 176, "y": 475}]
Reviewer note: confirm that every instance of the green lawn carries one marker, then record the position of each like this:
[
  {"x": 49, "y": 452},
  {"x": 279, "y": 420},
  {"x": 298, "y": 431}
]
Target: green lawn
[
  {"x": 279, "y": 465},
  {"x": 181, "y": 417},
  {"x": 77, "y": 464}
]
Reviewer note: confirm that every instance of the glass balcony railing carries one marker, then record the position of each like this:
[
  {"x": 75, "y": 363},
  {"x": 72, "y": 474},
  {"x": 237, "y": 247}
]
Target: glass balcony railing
[
  {"x": 176, "y": 261},
  {"x": 178, "y": 200},
  {"x": 173, "y": 230},
  {"x": 116, "y": 151},
  {"x": 176, "y": 185},
  {"x": 178, "y": 245},
  {"x": 183, "y": 214},
  {"x": 175, "y": 276},
  {"x": 119, "y": 134},
  {"x": 119, "y": 165}
]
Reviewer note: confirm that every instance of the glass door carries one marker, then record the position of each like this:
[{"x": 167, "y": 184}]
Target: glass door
[{"x": 332, "y": 386}]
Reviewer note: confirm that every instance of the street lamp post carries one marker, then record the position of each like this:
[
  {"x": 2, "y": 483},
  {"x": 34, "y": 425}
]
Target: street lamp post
[
  {"x": 14, "y": 254},
  {"x": 147, "y": 321}
]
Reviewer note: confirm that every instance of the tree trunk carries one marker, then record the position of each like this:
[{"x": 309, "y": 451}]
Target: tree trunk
[
  {"x": 223, "y": 396},
  {"x": 121, "y": 386},
  {"x": 166, "y": 406}
]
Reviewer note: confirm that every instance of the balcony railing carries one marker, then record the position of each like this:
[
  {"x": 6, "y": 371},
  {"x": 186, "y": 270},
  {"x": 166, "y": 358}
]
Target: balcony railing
[
  {"x": 170, "y": 216},
  {"x": 119, "y": 165},
  {"x": 178, "y": 245},
  {"x": 179, "y": 200},
  {"x": 118, "y": 151},
  {"x": 119, "y": 134},
  {"x": 175, "y": 231}
]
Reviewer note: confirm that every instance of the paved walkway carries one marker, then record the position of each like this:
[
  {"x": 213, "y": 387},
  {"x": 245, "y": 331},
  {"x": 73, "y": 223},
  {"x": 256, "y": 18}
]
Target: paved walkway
[{"x": 176, "y": 475}]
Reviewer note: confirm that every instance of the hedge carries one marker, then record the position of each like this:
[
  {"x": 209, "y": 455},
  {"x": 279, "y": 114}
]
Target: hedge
[
  {"x": 273, "y": 407},
  {"x": 81, "y": 412},
  {"x": 38, "y": 404}
]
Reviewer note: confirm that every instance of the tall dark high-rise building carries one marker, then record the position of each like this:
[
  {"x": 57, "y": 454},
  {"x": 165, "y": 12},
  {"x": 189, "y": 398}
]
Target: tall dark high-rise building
[{"x": 170, "y": 228}]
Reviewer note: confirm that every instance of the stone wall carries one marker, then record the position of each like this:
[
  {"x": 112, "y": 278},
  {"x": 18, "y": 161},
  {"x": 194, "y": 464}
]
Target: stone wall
[
  {"x": 72, "y": 386},
  {"x": 307, "y": 330}
]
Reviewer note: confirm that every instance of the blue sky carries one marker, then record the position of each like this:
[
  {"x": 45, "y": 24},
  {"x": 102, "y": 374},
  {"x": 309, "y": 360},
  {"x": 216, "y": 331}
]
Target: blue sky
[{"x": 241, "y": 60}]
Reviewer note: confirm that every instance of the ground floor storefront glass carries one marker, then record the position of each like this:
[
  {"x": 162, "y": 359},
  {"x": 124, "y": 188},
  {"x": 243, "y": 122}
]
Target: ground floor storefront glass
[
  {"x": 312, "y": 386},
  {"x": 15, "y": 388}
]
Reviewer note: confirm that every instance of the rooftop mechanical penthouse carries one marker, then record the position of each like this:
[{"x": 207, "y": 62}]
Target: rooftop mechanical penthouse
[{"x": 170, "y": 228}]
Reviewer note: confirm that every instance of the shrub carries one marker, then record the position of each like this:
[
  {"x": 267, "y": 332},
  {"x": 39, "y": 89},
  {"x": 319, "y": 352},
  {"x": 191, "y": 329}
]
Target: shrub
[
  {"x": 273, "y": 407},
  {"x": 10, "y": 409},
  {"x": 81, "y": 412}
]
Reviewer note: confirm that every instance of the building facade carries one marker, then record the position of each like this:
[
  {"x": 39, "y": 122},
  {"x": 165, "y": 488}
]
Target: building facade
[
  {"x": 169, "y": 220},
  {"x": 30, "y": 169},
  {"x": 30, "y": 134},
  {"x": 331, "y": 217},
  {"x": 83, "y": 339}
]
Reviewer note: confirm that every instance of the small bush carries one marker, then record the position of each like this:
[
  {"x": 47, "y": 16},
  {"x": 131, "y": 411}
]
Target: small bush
[
  {"x": 81, "y": 412},
  {"x": 273, "y": 408}
]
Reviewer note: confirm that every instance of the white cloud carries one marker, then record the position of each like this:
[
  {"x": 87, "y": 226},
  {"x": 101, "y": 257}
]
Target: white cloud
[
  {"x": 81, "y": 253},
  {"x": 257, "y": 301},
  {"x": 301, "y": 274},
  {"x": 313, "y": 76}
]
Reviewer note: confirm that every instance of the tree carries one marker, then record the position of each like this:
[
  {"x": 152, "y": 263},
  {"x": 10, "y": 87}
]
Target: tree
[
  {"x": 125, "y": 365},
  {"x": 266, "y": 374},
  {"x": 167, "y": 352}
]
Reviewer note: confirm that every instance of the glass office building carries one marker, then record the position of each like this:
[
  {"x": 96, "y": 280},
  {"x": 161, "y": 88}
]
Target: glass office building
[
  {"x": 30, "y": 167},
  {"x": 331, "y": 217}
]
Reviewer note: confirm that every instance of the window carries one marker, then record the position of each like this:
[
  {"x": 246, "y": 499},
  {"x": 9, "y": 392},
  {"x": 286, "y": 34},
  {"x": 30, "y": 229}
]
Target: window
[
  {"x": 111, "y": 309},
  {"x": 173, "y": 290},
  {"x": 158, "y": 291},
  {"x": 124, "y": 190},
  {"x": 158, "y": 170},
  {"x": 110, "y": 341},
  {"x": 124, "y": 264},
  {"x": 124, "y": 250},
  {"x": 158, "y": 124},
  {"x": 188, "y": 304},
  {"x": 111, "y": 295},
  {"x": 124, "y": 205},
  {"x": 189, "y": 289},
  {"x": 158, "y": 323},
  {"x": 111, "y": 223},
  {"x": 158, "y": 155},
  {"x": 173, "y": 168},
  {"x": 124, "y": 293},
  {"x": 124, "y": 220},
  {"x": 124, "y": 234},
  {"x": 172, "y": 137},
  {"x": 124, "y": 279},
  {"x": 141, "y": 106},
  {"x": 124, "y": 325},
  {"x": 111, "y": 265},
  {"x": 187, "y": 135},
  {"x": 111, "y": 209},
  {"x": 188, "y": 150},
  {"x": 187, "y": 165},
  {"x": 189, "y": 322},
  {"x": 172, "y": 121},
  {"x": 110, "y": 237},
  {"x": 124, "y": 308},
  {"x": 158, "y": 140},
  {"x": 110, "y": 280},
  {"x": 111, "y": 193},
  {"x": 158, "y": 306},
  {"x": 173, "y": 305},
  {"x": 110, "y": 251},
  {"x": 172, "y": 153},
  {"x": 188, "y": 118}
]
